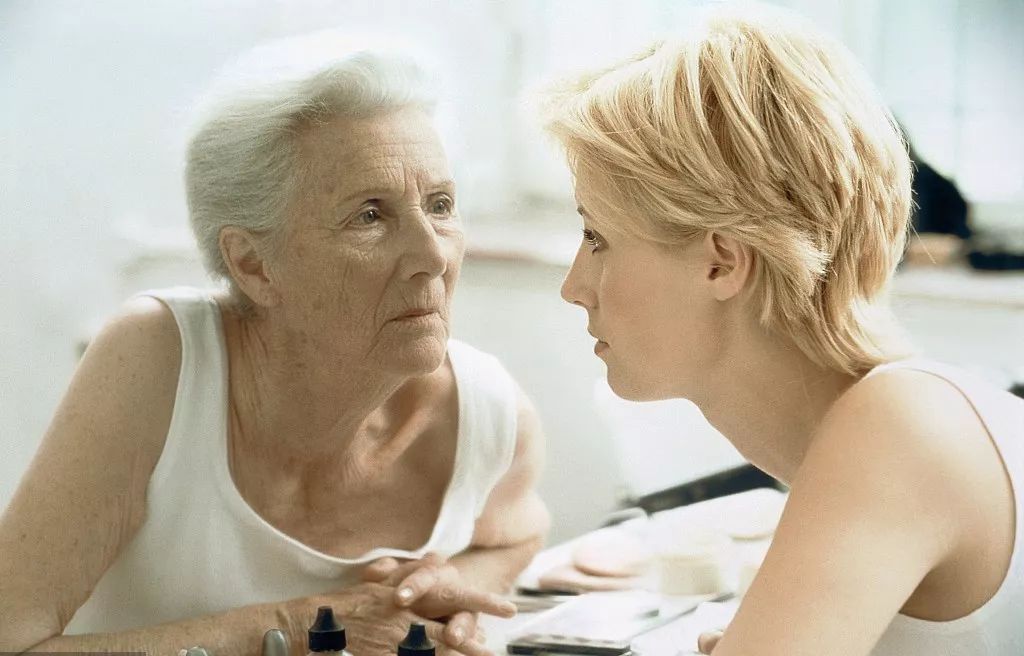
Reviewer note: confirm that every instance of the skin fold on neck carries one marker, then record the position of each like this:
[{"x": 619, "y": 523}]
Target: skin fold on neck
[{"x": 296, "y": 420}]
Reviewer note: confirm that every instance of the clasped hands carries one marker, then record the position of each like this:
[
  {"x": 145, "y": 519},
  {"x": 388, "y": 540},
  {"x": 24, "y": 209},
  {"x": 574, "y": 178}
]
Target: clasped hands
[{"x": 435, "y": 590}]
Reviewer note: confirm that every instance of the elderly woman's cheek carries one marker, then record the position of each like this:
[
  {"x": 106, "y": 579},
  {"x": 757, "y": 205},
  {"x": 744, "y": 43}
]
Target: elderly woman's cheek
[{"x": 453, "y": 246}]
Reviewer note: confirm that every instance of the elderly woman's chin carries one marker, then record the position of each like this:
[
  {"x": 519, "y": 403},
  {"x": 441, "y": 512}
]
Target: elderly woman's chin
[{"x": 415, "y": 350}]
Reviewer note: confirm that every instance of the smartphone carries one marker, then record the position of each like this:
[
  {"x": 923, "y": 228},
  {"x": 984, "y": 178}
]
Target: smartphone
[{"x": 559, "y": 645}]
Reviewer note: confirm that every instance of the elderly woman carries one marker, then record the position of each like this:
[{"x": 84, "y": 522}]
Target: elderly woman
[
  {"x": 745, "y": 198},
  {"x": 224, "y": 463}
]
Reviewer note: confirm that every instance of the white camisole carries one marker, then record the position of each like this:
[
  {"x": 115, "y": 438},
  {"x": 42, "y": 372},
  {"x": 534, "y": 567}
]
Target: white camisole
[
  {"x": 202, "y": 549},
  {"x": 997, "y": 627}
]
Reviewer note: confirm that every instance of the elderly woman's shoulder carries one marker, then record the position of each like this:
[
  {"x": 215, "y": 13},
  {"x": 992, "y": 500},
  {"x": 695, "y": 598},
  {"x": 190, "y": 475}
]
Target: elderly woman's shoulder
[
  {"x": 137, "y": 353},
  {"x": 142, "y": 325}
]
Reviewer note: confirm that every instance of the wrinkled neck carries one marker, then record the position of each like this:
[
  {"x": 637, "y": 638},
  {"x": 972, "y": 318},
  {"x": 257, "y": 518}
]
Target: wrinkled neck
[{"x": 290, "y": 406}]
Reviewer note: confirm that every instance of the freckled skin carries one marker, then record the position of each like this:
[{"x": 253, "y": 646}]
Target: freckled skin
[{"x": 344, "y": 277}]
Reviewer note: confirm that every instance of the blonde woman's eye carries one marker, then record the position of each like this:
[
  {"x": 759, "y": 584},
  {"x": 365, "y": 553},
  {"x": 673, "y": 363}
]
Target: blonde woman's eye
[
  {"x": 443, "y": 206},
  {"x": 591, "y": 238}
]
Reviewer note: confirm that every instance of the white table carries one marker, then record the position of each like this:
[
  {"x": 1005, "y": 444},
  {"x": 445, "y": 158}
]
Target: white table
[{"x": 680, "y": 635}]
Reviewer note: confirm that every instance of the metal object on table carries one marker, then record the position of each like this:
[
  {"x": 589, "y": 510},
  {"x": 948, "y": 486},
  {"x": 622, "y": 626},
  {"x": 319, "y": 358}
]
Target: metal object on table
[{"x": 275, "y": 643}]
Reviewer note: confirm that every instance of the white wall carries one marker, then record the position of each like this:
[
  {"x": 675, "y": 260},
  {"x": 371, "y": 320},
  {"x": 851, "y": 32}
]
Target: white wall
[{"x": 952, "y": 71}]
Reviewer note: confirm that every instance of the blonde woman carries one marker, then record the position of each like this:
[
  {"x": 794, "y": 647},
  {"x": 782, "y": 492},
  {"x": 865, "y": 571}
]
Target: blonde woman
[{"x": 745, "y": 198}]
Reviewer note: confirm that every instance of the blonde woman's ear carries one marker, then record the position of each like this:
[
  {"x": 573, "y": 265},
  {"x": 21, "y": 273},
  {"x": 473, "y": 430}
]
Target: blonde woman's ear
[{"x": 729, "y": 265}]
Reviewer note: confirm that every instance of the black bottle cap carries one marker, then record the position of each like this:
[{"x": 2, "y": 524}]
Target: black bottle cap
[
  {"x": 327, "y": 633},
  {"x": 416, "y": 643}
]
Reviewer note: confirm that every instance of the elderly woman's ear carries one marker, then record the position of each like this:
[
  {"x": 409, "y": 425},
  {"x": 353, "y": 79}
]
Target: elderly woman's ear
[
  {"x": 246, "y": 257},
  {"x": 728, "y": 265}
]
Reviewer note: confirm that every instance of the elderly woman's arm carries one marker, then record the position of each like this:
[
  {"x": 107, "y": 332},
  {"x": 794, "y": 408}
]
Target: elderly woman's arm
[
  {"x": 83, "y": 499},
  {"x": 515, "y": 521}
]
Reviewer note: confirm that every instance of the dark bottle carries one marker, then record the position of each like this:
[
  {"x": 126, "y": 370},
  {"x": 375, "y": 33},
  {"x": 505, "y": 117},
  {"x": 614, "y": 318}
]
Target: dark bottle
[
  {"x": 416, "y": 643},
  {"x": 327, "y": 635}
]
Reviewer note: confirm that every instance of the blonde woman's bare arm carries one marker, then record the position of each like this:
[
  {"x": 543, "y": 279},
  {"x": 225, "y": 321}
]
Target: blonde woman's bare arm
[{"x": 876, "y": 507}]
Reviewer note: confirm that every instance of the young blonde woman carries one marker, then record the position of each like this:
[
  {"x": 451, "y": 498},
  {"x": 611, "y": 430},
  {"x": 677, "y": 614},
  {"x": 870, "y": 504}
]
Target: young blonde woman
[{"x": 745, "y": 198}]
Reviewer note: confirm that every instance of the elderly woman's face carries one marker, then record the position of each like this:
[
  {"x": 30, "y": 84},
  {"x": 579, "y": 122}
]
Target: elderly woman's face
[{"x": 374, "y": 244}]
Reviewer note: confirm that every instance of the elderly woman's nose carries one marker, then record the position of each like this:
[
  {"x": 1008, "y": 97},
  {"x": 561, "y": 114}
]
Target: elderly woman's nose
[{"x": 423, "y": 248}]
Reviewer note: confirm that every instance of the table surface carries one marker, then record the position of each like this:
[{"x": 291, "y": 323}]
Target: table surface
[{"x": 679, "y": 636}]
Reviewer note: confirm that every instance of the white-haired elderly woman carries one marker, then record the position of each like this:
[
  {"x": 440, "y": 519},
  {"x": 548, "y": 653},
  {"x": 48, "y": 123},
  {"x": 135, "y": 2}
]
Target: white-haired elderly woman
[
  {"x": 745, "y": 198},
  {"x": 225, "y": 463}
]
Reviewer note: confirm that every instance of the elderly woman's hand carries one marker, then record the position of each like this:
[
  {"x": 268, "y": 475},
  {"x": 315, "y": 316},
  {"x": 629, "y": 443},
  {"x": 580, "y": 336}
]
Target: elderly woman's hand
[
  {"x": 374, "y": 625},
  {"x": 433, "y": 588}
]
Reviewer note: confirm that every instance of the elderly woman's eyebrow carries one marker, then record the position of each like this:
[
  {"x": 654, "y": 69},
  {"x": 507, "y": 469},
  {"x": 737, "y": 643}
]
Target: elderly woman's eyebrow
[
  {"x": 378, "y": 191},
  {"x": 447, "y": 185}
]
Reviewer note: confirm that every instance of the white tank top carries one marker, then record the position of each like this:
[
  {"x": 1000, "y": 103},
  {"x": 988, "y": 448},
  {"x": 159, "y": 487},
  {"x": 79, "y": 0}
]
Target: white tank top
[
  {"x": 997, "y": 627},
  {"x": 202, "y": 549}
]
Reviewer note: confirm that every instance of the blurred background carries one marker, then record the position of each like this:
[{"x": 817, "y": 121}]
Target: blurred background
[{"x": 94, "y": 98}]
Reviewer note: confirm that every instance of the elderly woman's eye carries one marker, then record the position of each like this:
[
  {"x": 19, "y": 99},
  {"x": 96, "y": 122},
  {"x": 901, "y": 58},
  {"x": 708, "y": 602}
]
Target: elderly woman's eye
[
  {"x": 442, "y": 205},
  {"x": 368, "y": 216}
]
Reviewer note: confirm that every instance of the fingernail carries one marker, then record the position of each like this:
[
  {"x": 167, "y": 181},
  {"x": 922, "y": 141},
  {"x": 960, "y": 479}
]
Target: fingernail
[{"x": 405, "y": 594}]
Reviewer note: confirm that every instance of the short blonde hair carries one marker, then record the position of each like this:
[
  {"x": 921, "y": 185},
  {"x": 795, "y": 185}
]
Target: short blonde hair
[{"x": 758, "y": 127}]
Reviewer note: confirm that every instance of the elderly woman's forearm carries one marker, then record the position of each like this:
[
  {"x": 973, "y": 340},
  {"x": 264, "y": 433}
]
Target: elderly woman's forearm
[
  {"x": 237, "y": 632},
  {"x": 496, "y": 568}
]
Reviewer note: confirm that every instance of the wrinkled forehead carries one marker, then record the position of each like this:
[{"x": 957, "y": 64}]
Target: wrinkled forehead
[{"x": 389, "y": 149}]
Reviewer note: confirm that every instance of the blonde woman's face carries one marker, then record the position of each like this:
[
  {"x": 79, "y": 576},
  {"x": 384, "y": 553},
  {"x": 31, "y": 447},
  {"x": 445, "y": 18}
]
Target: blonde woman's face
[
  {"x": 374, "y": 244},
  {"x": 652, "y": 315}
]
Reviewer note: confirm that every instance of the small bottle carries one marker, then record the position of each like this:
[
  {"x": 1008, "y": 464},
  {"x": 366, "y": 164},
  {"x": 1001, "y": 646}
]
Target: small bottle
[
  {"x": 416, "y": 643},
  {"x": 327, "y": 635}
]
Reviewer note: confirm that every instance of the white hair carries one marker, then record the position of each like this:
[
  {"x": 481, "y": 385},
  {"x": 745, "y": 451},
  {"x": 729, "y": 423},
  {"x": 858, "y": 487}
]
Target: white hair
[{"x": 242, "y": 160}]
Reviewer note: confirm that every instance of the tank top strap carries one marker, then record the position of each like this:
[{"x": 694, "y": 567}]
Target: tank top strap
[
  {"x": 199, "y": 402},
  {"x": 488, "y": 402}
]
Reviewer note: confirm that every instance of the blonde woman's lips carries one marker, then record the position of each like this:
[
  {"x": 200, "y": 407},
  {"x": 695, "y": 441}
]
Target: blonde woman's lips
[{"x": 600, "y": 347}]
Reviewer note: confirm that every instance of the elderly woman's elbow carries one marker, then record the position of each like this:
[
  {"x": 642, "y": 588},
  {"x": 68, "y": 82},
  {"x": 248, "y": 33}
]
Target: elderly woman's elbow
[
  {"x": 24, "y": 630},
  {"x": 536, "y": 521}
]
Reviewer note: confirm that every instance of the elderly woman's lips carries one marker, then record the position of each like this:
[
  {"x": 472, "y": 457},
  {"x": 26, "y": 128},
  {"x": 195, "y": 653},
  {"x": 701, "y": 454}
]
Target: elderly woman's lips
[
  {"x": 416, "y": 315},
  {"x": 600, "y": 347}
]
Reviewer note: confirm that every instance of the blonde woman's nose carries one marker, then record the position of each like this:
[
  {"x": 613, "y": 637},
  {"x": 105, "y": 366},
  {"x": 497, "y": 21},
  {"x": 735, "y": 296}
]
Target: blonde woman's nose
[{"x": 574, "y": 290}]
